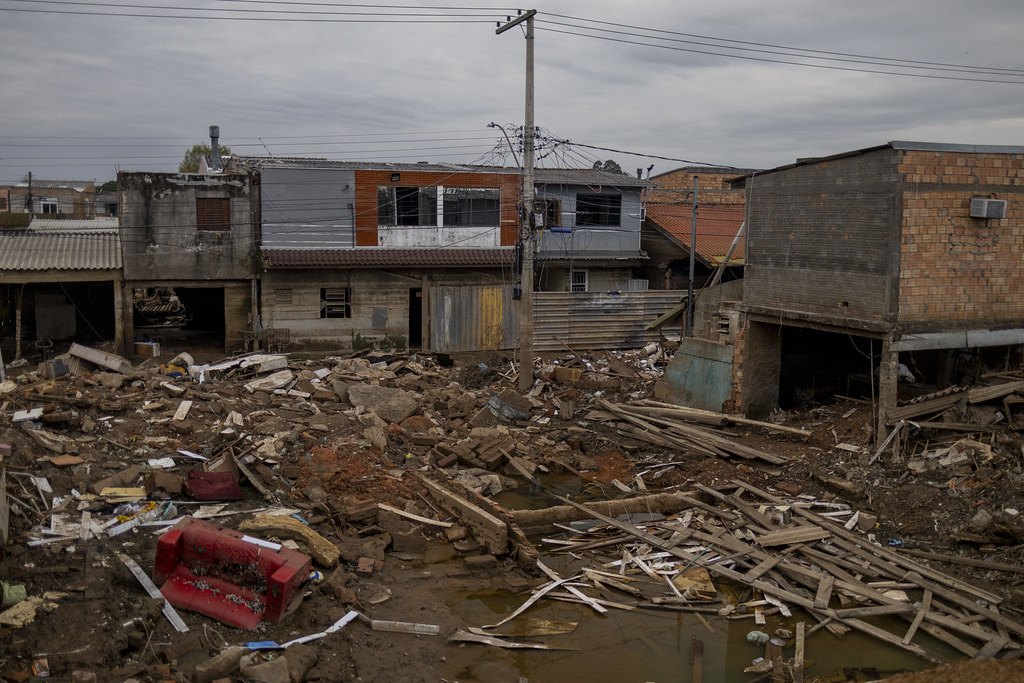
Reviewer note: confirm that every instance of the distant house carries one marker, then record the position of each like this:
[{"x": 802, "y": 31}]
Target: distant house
[
  {"x": 907, "y": 252},
  {"x": 53, "y": 198},
  {"x": 590, "y": 238},
  {"x": 190, "y": 248},
  {"x": 377, "y": 255},
  {"x": 106, "y": 205},
  {"x": 714, "y": 185},
  {"x": 668, "y": 233},
  {"x": 59, "y": 280}
]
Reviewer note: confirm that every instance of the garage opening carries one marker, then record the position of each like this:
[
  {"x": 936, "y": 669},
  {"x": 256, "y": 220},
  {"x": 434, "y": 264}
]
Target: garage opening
[
  {"x": 54, "y": 314},
  {"x": 818, "y": 366},
  {"x": 176, "y": 315}
]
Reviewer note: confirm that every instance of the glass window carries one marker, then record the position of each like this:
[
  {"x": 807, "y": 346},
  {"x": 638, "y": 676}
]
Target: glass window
[
  {"x": 471, "y": 206},
  {"x": 406, "y": 206},
  {"x": 598, "y": 209}
]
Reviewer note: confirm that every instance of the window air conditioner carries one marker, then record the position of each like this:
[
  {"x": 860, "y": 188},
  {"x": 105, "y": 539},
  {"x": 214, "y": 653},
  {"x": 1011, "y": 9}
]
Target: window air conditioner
[{"x": 982, "y": 207}]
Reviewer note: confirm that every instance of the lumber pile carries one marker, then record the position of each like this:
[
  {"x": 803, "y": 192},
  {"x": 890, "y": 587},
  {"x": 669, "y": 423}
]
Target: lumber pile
[
  {"x": 686, "y": 429},
  {"x": 795, "y": 558}
]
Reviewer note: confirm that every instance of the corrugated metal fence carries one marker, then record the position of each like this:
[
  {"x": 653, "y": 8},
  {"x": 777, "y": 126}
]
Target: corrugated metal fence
[
  {"x": 481, "y": 318},
  {"x": 472, "y": 318}
]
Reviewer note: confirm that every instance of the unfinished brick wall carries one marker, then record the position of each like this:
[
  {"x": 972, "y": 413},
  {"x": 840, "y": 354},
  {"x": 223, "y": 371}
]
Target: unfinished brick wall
[
  {"x": 953, "y": 268},
  {"x": 712, "y": 187}
]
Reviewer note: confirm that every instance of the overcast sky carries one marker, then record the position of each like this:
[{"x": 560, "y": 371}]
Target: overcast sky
[{"x": 85, "y": 95}]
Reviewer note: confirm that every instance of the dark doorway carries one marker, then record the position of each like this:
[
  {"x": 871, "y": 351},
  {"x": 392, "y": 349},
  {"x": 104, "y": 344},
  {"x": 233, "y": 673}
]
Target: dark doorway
[{"x": 415, "y": 317}]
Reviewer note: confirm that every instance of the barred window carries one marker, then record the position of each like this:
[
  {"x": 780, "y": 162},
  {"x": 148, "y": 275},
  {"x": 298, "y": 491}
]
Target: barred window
[{"x": 335, "y": 302}]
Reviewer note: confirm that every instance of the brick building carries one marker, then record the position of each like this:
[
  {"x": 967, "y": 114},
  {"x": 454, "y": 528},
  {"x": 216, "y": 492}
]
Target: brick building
[
  {"x": 902, "y": 253},
  {"x": 51, "y": 198}
]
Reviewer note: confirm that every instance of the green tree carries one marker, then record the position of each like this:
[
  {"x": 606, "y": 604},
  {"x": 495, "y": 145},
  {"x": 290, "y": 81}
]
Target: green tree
[
  {"x": 109, "y": 186},
  {"x": 610, "y": 166},
  {"x": 190, "y": 163}
]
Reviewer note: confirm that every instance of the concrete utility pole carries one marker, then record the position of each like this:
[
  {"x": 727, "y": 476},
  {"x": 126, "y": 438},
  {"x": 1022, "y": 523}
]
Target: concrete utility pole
[
  {"x": 526, "y": 224},
  {"x": 29, "y": 203}
]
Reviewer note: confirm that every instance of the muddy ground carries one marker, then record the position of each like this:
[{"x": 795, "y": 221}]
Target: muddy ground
[{"x": 326, "y": 458}]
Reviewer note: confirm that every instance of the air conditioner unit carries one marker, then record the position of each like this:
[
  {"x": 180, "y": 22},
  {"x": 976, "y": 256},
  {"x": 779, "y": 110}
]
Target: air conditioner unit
[{"x": 982, "y": 207}]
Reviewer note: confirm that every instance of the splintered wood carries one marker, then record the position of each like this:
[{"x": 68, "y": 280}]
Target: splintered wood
[{"x": 785, "y": 557}]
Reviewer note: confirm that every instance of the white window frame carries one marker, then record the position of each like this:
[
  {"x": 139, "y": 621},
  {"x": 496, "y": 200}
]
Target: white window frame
[
  {"x": 575, "y": 285},
  {"x": 45, "y": 203}
]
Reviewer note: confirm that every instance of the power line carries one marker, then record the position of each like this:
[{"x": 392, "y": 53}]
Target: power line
[
  {"x": 783, "y": 61},
  {"x": 108, "y": 9},
  {"x": 788, "y": 49}
]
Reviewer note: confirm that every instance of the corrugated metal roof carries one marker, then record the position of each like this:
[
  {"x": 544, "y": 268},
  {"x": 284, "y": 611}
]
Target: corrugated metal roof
[
  {"x": 587, "y": 176},
  {"x": 310, "y": 162},
  {"x": 717, "y": 225},
  {"x": 376, "y": 256},
  {"x": 549, "y": 176},
  {"x": 74, "y": 225},
  {"x": 25, "y": 250},
  {"x": 76, "y": 185}
]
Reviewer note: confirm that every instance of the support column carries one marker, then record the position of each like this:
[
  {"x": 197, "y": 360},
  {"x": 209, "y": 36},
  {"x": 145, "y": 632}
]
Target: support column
[
  {"x": 761, "y": 369},
  {"x": 888, "y": 375},
  {"x": 120, "y": 342},
  {"x": 425, "y": 314}
]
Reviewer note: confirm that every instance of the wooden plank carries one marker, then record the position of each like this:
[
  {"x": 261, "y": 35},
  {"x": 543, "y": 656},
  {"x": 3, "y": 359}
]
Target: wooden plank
[
  {"x": 983, "y": 394},
  {"x": 877, "y": 610},
  {"x": 913, "y": 410},
  {"x": 966, "y": 561},
  {"x": 992, "y": 647},
  {"x": 800, "y": 534},
  {"x": 798, "y": 655},
  {"x": 415, "y": 518},
  {"x": 697, "y": 659},
  {"x": 5, "y": 508},
  {"x": 926, "y": 604},
  {"x": 182, "y": 412},
  {"x": 490, "y": 530},
  {"x": 762, "y": 567},
  {"x": 824, "y": 594}
]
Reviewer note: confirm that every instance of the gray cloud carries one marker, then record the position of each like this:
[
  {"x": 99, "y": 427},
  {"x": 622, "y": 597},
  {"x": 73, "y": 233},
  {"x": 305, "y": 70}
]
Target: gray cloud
[{"x": 143, "y": 90}]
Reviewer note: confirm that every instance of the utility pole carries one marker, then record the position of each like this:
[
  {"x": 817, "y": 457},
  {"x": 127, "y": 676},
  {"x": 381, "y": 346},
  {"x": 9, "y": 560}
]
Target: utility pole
[
  {"x": 29, "y": 204},
  {"x": 693, "y": 261},
  {"x": 526, "y": 223}
]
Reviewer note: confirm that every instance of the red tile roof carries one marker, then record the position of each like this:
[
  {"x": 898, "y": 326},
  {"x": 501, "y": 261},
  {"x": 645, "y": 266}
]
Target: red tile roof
[
  {"x": 717, "y": 225},
  {"x": 371, "y": 257}
]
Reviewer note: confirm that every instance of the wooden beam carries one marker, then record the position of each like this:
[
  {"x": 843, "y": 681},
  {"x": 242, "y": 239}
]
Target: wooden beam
[{"x": 489, "y": 530}]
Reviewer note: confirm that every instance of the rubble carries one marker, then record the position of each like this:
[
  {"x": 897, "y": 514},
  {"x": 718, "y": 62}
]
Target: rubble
[{"x": 371, "y": 464}]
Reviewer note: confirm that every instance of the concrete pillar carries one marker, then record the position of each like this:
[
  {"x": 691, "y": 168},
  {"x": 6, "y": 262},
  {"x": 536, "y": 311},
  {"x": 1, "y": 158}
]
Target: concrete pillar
[
  {"x": 127, "y": 319},
  {"x": 120, "y": 341},
  {"x": 761, "y": 369},
  {"x": 425, "y": 313},
  {"x": 888, "y": 375}
]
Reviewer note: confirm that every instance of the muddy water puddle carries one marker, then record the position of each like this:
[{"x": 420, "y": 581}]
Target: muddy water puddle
[{"x": 644, "y": 644}]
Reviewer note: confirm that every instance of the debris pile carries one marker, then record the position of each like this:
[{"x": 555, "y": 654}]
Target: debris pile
[{"x": 173, "y": 507}]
